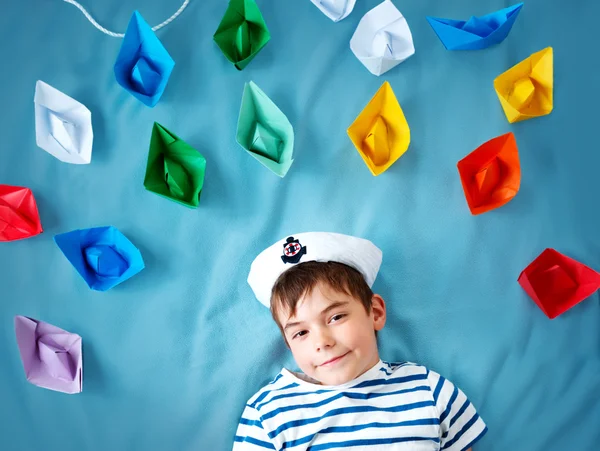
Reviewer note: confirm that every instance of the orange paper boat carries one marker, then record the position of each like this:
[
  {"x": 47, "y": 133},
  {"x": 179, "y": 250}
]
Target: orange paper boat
[{"x": 491, "y": 174}]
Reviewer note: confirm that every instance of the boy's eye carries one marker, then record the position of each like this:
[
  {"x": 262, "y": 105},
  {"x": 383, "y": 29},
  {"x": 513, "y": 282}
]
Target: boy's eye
[
  {"x": 299, "y": 334},
  {"x": 335, "y": 318}
]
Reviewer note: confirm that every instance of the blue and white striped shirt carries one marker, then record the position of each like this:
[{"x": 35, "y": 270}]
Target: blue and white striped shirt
[{"x": 393, "y": 406}]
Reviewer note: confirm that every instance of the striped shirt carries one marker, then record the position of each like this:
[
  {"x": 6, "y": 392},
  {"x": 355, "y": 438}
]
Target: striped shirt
[{"x": 392, "y": 406}]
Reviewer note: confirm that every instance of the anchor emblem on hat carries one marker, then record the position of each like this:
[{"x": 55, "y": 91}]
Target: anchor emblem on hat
[{"x": 292, "y": 250}]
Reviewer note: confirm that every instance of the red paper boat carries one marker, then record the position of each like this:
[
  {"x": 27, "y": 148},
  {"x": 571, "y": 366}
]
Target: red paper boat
[
  {"x": 556, "y": 282},
  {"x": 19, "y": 217},
  {"x": 491, "y": 174}
]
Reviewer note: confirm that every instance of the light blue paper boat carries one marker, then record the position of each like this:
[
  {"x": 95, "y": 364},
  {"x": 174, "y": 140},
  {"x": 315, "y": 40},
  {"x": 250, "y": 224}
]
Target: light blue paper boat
[
  {"x": 143, "y": 65},
  {"x": 478, "y": 32},
  {"x": 103, "y": 256}
]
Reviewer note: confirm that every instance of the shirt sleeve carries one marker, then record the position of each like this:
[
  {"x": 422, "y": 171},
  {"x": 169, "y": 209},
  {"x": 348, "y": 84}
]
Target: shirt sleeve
[
  {"x": 461, "y": 426},
  {"x": 250, "y": 434}
]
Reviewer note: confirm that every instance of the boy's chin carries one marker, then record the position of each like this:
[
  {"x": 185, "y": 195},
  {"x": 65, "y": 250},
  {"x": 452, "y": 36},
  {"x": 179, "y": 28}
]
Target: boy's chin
[{"x": 336, "y": 376}]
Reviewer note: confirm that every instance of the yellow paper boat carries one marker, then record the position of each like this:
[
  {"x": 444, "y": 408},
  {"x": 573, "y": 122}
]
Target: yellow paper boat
[
  {"x": 525, "y": 90},
  {"x": 380, "y": 133}
]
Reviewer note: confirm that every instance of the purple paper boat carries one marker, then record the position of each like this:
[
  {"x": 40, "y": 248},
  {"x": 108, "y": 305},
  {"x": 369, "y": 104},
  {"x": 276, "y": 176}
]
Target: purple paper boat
[{"x": 52, "y": 357}]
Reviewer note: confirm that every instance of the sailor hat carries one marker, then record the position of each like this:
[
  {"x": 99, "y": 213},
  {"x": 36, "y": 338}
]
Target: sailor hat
[{"x": 358, "y": 253}]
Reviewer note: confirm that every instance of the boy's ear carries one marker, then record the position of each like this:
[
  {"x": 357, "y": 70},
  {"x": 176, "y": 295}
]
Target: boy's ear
[{"x": 379, "y": 312}]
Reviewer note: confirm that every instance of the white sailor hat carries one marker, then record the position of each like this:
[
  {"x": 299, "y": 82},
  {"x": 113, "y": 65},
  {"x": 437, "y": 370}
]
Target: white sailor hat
[{"x": 358, "y": 253}]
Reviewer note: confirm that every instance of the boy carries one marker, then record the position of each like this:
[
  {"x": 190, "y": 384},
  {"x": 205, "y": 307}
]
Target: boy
[{"x": 318, "y": 287}]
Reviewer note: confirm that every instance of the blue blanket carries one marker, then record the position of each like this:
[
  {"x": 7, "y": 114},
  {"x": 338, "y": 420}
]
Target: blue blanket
[{"x": 171, "y": 355}]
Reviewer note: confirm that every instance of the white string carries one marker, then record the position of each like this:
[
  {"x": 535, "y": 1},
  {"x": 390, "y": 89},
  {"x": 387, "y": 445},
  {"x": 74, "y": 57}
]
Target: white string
[{"x": 89, "y": 17}]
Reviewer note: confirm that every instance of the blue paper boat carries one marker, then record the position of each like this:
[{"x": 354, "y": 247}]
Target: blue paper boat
[
  {"x": 103, "y": 256},
  {"x": 143, "y": 65},
  {"x": 478, "y": 32}
]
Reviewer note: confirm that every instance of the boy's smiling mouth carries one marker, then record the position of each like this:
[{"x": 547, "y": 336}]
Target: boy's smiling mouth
[{"x": 334, "y": 360}]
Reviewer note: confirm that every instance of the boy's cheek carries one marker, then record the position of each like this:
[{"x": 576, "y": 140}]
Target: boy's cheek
[
  {"x": 356, "y": 337},
  {"x": 299, "y": 352},
  {"x": 350, "y": 333}
]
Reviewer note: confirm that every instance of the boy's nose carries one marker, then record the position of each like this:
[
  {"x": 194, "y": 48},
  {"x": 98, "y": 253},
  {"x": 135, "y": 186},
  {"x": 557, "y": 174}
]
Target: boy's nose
[{"x": 323, "y": 340}]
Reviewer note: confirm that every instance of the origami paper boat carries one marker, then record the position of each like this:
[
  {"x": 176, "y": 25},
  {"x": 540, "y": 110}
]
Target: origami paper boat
[
  {"x": 51, "y": 357},
  {"x": 242, "y": 32},
  {"x": 63, "y": 126},
  {"x": 103, "y": 256},
  {"x": 175, "y": 169},
  {"x": 526, "y": 90},
  {"x": 491, "y": 174},
  {"x": 478, "y": 32},
  {"x": 556, "y": 282},
  {"x": 336, "y": 10},
  {"x": 143, "y": 66},
  {"x": 264, "y": 131},
  {"x": 380, "y": 133},
  {"x": 19, "y": 217},
  {"x": 382, "y": 39}
]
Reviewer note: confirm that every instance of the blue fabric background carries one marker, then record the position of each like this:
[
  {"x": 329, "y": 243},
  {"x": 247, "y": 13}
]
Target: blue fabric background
[{"x": 171, "y": 355}]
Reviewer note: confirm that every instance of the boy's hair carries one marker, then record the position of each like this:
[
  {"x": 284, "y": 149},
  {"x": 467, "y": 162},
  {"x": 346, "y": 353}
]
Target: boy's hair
[{"x": 302, "y": 278}]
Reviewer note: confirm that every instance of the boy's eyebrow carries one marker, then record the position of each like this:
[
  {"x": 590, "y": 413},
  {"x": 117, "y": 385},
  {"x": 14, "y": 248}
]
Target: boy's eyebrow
[{"x": 325, "y": 310}]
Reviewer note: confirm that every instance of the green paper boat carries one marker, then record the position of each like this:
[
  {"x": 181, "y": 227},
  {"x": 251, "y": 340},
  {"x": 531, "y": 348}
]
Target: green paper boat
[
  {"x": 242, "y": 32},
  {"x": 264, "y": 131},
  {"x": 175, "y": 169}
]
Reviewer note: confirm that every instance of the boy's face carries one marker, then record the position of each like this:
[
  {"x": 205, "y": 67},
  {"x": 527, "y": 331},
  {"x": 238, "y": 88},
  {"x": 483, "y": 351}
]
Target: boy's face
[{"x": 331, "y": 335}]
